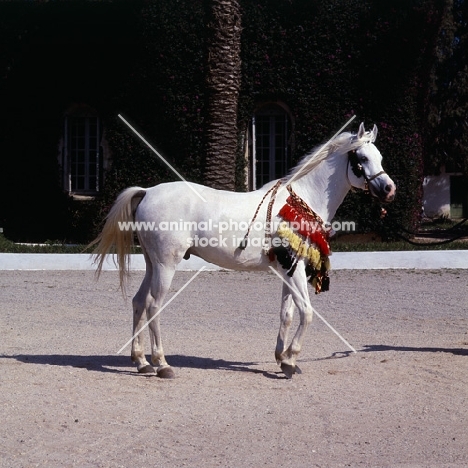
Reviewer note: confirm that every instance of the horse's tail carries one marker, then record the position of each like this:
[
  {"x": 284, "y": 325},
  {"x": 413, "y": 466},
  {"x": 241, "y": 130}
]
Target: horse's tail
[{"x": 117, "y": 235}]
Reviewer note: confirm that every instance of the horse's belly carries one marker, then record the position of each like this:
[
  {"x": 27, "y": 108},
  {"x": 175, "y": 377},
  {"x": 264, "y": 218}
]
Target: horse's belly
[{"x": 233, "y": 259}]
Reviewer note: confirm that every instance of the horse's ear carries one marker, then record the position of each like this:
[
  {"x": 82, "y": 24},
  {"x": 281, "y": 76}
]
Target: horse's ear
[
  {"x": 361, "y": 131},
  {"x": 374, "y": 132}
]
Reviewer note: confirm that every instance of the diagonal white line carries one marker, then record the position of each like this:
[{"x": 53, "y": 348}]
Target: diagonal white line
[
  {"x": 315, "y": 312},
  {"x": 320, "y": 149},
  {"x": 162, "y": 308},
  {"x": 160, "y": 157}
]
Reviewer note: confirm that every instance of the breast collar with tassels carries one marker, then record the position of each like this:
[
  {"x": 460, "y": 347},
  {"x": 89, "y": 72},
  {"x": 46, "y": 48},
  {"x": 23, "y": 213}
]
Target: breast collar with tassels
[
  {"x": 358, "y": 170},
  {"x": 304, "y": 236}
]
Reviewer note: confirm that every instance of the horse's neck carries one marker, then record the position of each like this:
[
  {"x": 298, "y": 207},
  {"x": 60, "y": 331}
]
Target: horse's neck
[{"x": 325, "y": 187}]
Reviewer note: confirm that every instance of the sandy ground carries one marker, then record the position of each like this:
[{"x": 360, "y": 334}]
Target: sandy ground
[{"x": 68, "y": 400}]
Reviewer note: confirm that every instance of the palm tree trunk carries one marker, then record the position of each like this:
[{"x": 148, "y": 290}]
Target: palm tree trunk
[{"x": 223, "y": 81}]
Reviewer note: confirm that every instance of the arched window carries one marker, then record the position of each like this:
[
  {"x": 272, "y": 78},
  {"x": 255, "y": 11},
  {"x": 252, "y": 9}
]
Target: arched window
[
  {"x": 82, "y": 153},
  {"x": 271, "y": 149}
]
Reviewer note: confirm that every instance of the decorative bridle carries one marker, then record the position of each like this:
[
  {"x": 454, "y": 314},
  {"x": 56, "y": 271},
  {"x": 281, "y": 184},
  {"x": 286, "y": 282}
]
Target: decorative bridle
[{"x": 358, "y": 170}]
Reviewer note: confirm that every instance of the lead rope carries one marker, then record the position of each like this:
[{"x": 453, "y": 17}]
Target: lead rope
[{"x": 273, "y": 190}]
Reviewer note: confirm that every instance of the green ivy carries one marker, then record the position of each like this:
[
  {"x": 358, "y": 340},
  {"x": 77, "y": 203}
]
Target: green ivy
[
  {"x": 330, "y": 60},
  {"x": 327, "y": 60}
]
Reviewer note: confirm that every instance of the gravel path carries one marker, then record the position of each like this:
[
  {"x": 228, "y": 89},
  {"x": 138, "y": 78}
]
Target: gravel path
[{"x": 68, "y": 400}]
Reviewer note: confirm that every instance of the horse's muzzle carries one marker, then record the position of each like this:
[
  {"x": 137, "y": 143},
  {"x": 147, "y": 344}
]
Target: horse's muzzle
[{"x": 384, "y": 189}]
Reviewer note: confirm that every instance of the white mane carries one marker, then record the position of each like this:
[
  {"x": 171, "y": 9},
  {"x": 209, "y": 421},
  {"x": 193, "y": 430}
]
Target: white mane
[{"x": 343, "y": 143}]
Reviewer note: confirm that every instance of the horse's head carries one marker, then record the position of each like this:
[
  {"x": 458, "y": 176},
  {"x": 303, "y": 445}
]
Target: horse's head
[{"x": 364, "y": 168}]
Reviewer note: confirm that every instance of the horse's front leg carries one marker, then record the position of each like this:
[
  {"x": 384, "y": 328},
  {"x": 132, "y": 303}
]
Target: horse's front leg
[
  {"x": 286, "y": 317},
  {"x": 300, "y": 297}
]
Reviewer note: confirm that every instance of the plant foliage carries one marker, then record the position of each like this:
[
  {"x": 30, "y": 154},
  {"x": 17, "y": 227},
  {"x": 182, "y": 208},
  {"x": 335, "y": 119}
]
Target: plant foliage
[{"x": 147, "y": 60}]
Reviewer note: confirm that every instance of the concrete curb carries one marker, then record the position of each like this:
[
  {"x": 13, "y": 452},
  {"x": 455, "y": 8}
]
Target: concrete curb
[
  {"x": 433, "y": 260},
  {"x": 419, "y": 260}
]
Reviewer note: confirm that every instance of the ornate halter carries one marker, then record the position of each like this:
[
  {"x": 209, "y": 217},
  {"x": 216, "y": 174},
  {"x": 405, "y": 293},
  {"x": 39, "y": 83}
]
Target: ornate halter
[{"x": 358, "y": 170}]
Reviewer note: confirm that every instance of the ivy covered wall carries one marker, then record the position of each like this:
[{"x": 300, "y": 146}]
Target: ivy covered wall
[
  {"x": 330, "y": 60},
  {"x": 327, "y": 60}
]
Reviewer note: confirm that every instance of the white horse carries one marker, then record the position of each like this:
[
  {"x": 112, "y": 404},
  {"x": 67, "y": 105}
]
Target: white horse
[{"x": 180, "y": 224}]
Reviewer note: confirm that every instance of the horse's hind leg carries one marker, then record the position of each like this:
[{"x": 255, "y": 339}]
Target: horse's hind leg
[
  {"x": 140, "y": 305},
  {"x": 160, "y": 283}
]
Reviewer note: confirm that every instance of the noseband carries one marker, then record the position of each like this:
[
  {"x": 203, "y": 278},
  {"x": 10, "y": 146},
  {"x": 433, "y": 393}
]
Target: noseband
[{"x": 358, "y": 170}]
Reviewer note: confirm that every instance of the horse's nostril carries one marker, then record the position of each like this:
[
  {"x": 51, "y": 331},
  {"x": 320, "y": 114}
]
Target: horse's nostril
[{"x": 388, "y": 188}]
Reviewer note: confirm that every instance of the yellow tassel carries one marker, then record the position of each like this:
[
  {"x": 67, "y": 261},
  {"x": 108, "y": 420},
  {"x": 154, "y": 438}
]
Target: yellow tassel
[
  {"x": 303, "y": 250},
  {"x": 283, "y": 230},
  {"x": 295, "y": 242},
  {"x": 314, "y": 256},
  {"x": 293, "y": 239}
]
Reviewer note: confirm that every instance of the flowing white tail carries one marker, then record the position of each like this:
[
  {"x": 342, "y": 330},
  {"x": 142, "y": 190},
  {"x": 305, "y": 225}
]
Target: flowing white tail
[{"x": 112, "y": 239}]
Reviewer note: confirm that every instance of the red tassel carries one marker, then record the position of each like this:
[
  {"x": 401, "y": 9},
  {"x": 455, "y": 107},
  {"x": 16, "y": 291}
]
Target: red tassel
[
  {"x": 288, "y": 213},
  {"x": 308, "y": 227},
  {"x": 285, "y": 212}
]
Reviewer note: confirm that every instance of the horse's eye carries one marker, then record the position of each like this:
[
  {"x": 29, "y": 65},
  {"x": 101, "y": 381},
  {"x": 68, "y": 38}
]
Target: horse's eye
[{"x": 363, "y": 159}]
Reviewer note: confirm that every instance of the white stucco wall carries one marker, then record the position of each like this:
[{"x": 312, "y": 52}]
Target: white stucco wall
[{"x": 413, "y": 259}]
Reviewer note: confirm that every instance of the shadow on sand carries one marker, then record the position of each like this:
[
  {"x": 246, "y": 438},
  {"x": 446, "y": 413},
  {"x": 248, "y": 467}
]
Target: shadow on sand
[
  {"x": 383, "y": 348},
  {"x": 122, "y": 364},
  {"x": 380, "y": 348}
]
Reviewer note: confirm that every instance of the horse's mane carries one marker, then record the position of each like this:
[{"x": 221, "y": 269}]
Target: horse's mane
[{"x": 342, "y": 143}]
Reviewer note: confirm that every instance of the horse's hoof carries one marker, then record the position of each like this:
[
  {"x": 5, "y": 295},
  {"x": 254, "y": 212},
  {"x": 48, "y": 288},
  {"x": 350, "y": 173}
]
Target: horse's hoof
[
  {"x": 288, "y": 370},
  {"x": 146, "y": 370},
  {"x": 166, "y": 372}
]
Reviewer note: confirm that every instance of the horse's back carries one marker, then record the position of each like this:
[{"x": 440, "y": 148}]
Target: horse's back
[
  {"x": 187, "y": 200},
  {"x": 177, "y": 222}
]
